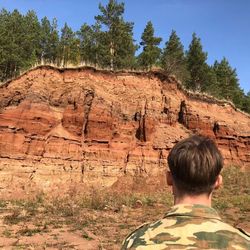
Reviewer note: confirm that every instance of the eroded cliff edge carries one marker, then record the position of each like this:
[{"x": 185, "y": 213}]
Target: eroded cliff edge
[{"x": 60, "y": 126}]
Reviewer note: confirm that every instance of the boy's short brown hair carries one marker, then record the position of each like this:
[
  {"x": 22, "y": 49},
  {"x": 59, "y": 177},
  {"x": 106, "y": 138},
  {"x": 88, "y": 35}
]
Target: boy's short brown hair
[{"x": 195, "y": 163}]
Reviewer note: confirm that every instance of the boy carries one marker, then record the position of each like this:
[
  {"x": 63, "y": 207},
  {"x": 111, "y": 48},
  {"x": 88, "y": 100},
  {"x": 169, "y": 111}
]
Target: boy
[{"x": 195, "y": 164}]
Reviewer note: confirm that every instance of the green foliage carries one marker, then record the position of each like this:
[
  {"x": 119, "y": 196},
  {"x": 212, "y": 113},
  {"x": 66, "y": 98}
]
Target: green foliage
[
  {"x": 197, "y": 66},
  {"x": 68, "y": 46},
  {"x": 246, "y": 103},
  {"x": 18, "y": 42},
  {"x": 32, "y": 37},
  {"x": 235, "y": 191},
  {"x": 173, "y": 60},
  {"x": 90, "y": 43},
  {"x": 118, "y": 47},
  {"x": 151, "y": 52},
  {"x": 210, "y": 85},
  {"x": 49, "y": 40},
  {"x": 227, "y": 82},
  {"x": 26, "y": 41}
]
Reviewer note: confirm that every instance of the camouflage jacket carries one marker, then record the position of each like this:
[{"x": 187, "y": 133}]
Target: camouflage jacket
[{"x": 187, "y": 227}]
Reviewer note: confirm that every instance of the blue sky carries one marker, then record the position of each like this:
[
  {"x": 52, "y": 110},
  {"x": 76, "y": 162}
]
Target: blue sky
[{"x": 222, "y": 25}]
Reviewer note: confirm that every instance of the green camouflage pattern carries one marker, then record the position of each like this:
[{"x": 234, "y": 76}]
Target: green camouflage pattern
[{"x": 187, "y": 227}]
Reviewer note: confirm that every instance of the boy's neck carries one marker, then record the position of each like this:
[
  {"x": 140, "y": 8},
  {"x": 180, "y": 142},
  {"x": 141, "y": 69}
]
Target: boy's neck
[{"x": 202, "y": 199}]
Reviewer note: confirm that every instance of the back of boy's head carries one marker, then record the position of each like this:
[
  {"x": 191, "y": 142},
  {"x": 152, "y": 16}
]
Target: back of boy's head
[{"x": 195, "y": 163}]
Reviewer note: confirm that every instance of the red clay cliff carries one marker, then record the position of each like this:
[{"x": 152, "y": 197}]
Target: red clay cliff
[{"x": 81, "y": 125}]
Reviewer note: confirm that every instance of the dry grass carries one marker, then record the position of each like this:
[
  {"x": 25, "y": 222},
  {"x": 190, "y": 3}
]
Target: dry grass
[{"x": 106, "y": 217}]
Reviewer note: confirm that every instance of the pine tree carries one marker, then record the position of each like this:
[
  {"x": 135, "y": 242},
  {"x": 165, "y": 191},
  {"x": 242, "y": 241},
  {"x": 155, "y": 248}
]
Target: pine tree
[
  {"x": 117, "y": 36},
  {"x": 49, "y": 40},
  {"x": 5, "y": 45},
  {"x": 53, "y": 42},
  {"x": 19, "y": 42},
  {"x": 210, "y": 85},
  {"x": 196, "y": 64},
  {"x": 12, "y": 42},
  {"x": 44, "y": 39},
  {"x": 69, "y": 46},
  {"x": 246, "y": 103},
  {"x": 228, "y": 83},
  {"x": 124, "y": 49},
  {"x": 90, "y": 43},
  {"x": 31, "y": 43},
  {"x": 151, "y": 51},
  {"x": 173, "y": 59}
]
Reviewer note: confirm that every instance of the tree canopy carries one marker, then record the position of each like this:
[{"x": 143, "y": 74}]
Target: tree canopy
[
  {"x": 151, "y": 51},
  {"x": 196, "y": 64},
  {"x": 108, "y": 43},
  {"x": 117, "y": 36},
  {"x": 173, "y": 60}
]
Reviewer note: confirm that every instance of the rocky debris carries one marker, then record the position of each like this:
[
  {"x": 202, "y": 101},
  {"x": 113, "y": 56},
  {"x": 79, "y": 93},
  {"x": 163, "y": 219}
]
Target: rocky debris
[
  {"x": 91, "y": 127},
  {"x": 138, "y": 204}
]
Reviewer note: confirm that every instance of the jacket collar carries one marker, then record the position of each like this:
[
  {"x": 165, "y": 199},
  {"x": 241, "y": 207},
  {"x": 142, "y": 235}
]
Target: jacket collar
[{"x": 193, "y": 210}]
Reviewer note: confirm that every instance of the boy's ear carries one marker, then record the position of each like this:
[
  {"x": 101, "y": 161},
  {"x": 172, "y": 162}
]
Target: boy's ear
[
  {"x": 169, "y": 178},
  {"x": 218, "y": 182}
]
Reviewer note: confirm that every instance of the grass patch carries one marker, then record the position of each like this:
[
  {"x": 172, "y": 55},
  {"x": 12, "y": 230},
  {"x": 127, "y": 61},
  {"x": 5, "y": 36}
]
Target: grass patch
[
  {"x": 110, "y": 216},
  {"x": 29, "y": 232},
  {"x": 236, "y": 180},
  {"x": 3, "y": 204},
  {"x": 86, "y": 236},
  {"x": 235, "y": 192},
  {"x": 114, "y": 200},
  {"x": 14, "y": 218},
  {"x": 7, "y": 233},
  {"x": 21, "y": 246}
]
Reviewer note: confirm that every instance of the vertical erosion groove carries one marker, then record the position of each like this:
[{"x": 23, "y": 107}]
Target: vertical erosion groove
[
  {"x": 182, "y": 115},
  {"x": 89, "y": 97},
  {"x": 141, "y": 118}
]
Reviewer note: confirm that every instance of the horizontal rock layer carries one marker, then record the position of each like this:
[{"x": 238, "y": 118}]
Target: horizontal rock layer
[{"x": 97, "y": 128}]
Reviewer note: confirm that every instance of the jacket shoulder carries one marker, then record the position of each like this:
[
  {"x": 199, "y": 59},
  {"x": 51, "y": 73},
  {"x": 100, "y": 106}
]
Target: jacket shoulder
[
  {"x": 128, "y": 241},
  {"x": 244, "y": 232}
]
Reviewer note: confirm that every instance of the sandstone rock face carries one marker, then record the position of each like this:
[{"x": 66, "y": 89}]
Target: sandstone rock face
[{"x": 96, "y": 128}]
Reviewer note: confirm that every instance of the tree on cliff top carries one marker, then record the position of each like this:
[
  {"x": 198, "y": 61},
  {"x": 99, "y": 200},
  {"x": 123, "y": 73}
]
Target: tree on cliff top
[
  {"x": 90, "y": 43},
  {"x": 68, "y": 46},
  {"x": 196, "y": 64},
  {"x": 117, "y": 36},
  {"x": 25, "y": 41},
  {"x": 19, "y": 42},
  {"x": 246, "y": 103},
  {"x": 151, "y": 51},
  {"x": 173, "y": 60},
  {"x": 228, "y": 83},
  {"x": 49, "y": 40}
]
